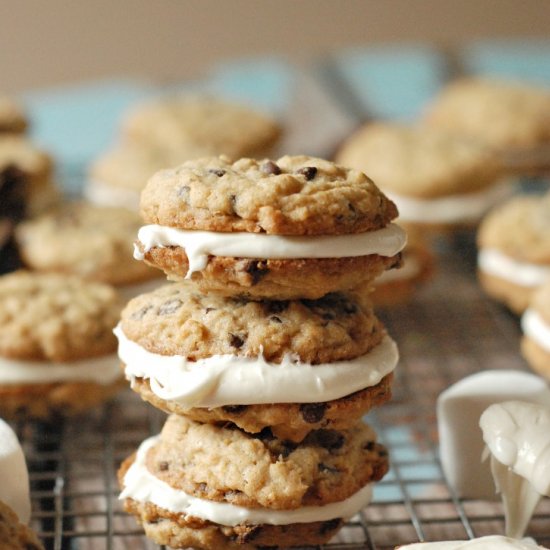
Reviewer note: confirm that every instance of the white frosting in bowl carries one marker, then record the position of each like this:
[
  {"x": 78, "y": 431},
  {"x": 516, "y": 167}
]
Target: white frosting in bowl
[
  {"x": 142, "y": 486},
  {"x": 238, "y": 380},
  {"x": 199, "y": 245},
  {"x": 517, "y": 435}
]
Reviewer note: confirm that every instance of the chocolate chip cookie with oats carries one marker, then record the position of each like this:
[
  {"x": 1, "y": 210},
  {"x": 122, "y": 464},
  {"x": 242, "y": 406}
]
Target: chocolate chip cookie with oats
[
  {"x": 298, "y": 227},
  {"x": 210, "y": 486},
  {"x": 57, "y": 349},
  {"x": 291, "y": 366}
]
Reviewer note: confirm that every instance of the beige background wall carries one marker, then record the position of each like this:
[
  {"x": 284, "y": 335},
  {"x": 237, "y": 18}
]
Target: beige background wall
[{"x": 44, "y": 43}]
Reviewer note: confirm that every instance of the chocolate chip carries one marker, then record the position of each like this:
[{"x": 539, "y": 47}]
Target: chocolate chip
[
  {"x": 313, "y": 412},
  {"x": 270, "y": 168},
  {"x": 265, "y": 435},
  {"x": 170, "y": 307},
  {"x": 287, "y": 447},
  {"x": 330, "y": 525},
  {"x": 140, "y": 313},
  {"x": 237, "y": 340},
  {"x": 163, "y": 466},
  {"x": 308, "y": 171},
  {"x": 217, "y": 171},
  {"x": 250, "y": 534},
  {"x": 209, "y": 309},
  {"x": 234, "y": 409},
  {"x": 275, "y": 306},
  {"x": 233, "y": 202},
  {"x": 369, "y": 446},
  {"x": 256, "y": 269},
  {"x": 329, "y": 439},
  {"x": 275, "y": 319},
  {"x": 351, "y": 207}
]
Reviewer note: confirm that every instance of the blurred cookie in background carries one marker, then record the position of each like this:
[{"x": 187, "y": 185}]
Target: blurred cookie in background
[
  {"x": 514, "y": 250},
  {"x": 182, "y": 125},
  {"x": 398, "y": 286},
  {"x": 89, "y": 241},
  {"x": 13, "y": 119},
  {"x": 511, "y": 117},
  {"x": 57, "y": 347},
  {"x": 535, "y": 322},
  {"x": 439, "y": 182}
]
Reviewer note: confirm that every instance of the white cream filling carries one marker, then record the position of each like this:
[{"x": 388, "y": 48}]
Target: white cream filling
[
  {"x": 536, "y": 328},
  {"x": 199, "y": 245},
  {"x": 142, "y": 486},
  {"x": 102, "y": 370},
  {"x": 237, "y": 380},
  {"x": 492, "y": 542},
  {"x": 103, "y": 194},
  {"x": 494, "y": 262},
  {"x": 464, "y": 208}
]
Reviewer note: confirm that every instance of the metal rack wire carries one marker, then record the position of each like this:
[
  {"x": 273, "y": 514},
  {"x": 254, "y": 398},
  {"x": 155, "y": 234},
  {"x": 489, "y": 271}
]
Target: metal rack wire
[{"x": 448, "y": 331}]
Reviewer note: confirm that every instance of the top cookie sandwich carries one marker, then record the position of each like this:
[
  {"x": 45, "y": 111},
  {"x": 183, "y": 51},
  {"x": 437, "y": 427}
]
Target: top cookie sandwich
[{"x": 298, "y": 227}]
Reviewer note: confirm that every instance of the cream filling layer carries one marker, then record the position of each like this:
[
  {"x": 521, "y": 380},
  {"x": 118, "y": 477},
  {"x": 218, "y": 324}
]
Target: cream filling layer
[
  {"x": 104, "y": 194},
  {"x": 101, "y": 370},
  {"x": 199, "y": 245},
  {"x": 237, "y": 380},
  {"x": 536, "y": 328},
  {"x": 142, "y": 486},
  {"x": 494, "y": 262},
  {"x": 464, "y": 208}
]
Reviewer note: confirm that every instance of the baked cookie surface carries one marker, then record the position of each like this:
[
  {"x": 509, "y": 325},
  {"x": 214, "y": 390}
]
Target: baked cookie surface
[
  {"x": 420, "y": 162},
  {"x": 504, "y": 115},
  {"x": 193, "y": 126},
  {"x": 15, "y": 535},
  {"x": 55, "y": 317},
  {"x": 291, "y": 196},
  {"x": 89, "y": 241},
  {"x": 177, "y": 320}
]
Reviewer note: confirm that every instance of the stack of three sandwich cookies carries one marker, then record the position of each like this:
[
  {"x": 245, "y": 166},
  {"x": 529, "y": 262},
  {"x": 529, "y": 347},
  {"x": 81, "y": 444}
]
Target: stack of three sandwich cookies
[{"x": 262, "y": 352}]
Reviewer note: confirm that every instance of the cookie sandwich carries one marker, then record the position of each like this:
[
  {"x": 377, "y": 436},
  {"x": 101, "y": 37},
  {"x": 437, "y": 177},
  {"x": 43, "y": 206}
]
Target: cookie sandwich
[
  {"x": 535, "y": 322},
  {"x": 210, "y": 486},
  {"x": 439, "y": 181},
  {"x": 15, "y": 535},
  {"x": 57, "y": 349},
  {"x": 91, "y": 242},
  {"x": 514, "y": 250},
  {"x": 291, "y": 366},
  {"x": 298, "y": 227}
]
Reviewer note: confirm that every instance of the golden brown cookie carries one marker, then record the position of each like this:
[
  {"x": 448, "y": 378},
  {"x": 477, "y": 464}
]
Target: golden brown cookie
[
  {"x": 15, "y": 535},
  {"x": 294, "y": 366},
  {"x": 275, "y": 481},
  {"x": 503, "y": 114},
  {"x": 92, "y": 242},
  {"x": 187, "y": 127},
  {"x": 57, "y": 350},
  {"x": 514, "y": 250},
  {"x": 535, "y": 344},
  {"x": 298, "y": 227},
  {"x": 435, "y": 178}
]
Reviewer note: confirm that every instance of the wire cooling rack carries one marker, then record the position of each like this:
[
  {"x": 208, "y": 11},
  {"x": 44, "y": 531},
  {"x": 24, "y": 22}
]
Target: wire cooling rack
[{"x": 448, "y": 331}]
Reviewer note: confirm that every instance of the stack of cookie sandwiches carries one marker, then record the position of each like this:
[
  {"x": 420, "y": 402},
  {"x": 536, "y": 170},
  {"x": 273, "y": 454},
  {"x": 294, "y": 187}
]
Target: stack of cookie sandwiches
[{"x": 263, "y": 351}]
